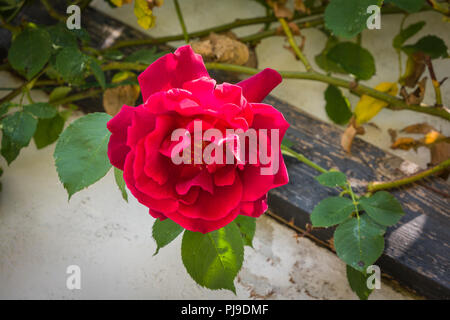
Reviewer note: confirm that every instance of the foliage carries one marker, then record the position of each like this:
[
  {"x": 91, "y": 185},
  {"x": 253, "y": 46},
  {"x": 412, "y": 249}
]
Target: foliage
[{"x": 73, "y": 70}]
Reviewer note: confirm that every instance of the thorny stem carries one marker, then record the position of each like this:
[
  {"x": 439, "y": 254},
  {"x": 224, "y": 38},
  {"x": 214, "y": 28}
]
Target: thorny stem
[
  {"x": 289, "y": 152},
  {"x": 274, "y": 31},
  {"x": 376, "y": 186},
  {"x": 52, "y": 12},
  {"x": 205, "y": 32},
  {"x": 181, "y": 19},
  {"x": 294, "y": 45},
  {"x": 77, "y": 96},
  {"x": 436, "y": 83},
  {"x": 395, "y": 103}
]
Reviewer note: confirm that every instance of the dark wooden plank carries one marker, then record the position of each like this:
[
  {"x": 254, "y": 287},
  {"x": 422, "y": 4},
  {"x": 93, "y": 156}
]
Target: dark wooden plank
[{"x": 417, "y": 249}]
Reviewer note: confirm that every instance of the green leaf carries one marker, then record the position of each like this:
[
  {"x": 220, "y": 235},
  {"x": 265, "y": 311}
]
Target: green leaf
[
  {"x": 359, "y": 243},
  {"x": 383, "y": 208},
  {"x": 213, "y": 259},
  {"x": 59, "y": 93},
  {"x": 80, "y": 153},
  {"x": 61, "y": 37},
  {"x": 354, "y": 59},
  {"x": 4, "y": 107},
  {"x": 407, "y": 33},
  {"x": 113, "y": 55},
  {"x": 164, "y": 232},
  {"x": 98, "y": 72},
  {"x": 48, "y": 131},
  {"x": 331, "y": 211},
  {"x": 81, "y": 34},
  {"x": 41, "y": 110},
  {"x": 118, "y": 176},
  {"x": 70, "y": 63},
  {"x": 332, "y": 179},
  {"x": 30, "y": 51},
  {"x": 322, "y": 60},
  {"x": 9, "y": 149},
  {"x": 19, "y": 127},
  {"x": 247, "y": 226},
  {"x": 408, "y": 5},
  {"x": 347, "y": 18},
  {"x": 433, "y": 46},
  {"x": 358, "y": 283},
  {"x": 337, "y": 107},
  {"x": 145, "y": 56}
]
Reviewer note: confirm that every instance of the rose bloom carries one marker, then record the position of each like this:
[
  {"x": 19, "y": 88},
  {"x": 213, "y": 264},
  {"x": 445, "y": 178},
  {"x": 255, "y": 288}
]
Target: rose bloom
[{"x": 177, "y": 90}]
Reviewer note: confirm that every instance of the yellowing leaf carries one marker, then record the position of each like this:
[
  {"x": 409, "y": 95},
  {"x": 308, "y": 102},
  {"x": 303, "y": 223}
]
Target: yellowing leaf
[
  {"x": 144, "y": 14},
  {"x": 432, "y": 136},
  {"x": 122, "y": 76},
  {"x": 369, "y": 107},
  {"x": 404, "y": 143},
  {"x": 119, "y": 3}
]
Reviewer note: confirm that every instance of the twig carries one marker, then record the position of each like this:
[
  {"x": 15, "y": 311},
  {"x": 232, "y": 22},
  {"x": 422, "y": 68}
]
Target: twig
[
  {"x": 77, "y": 96},
  {"x": 288, "y": 151},
  {"x": 238, "y": 23},
  {"x": 52, "y": 12},
  {"x": 436, "y": 83},
  {"x": 180, "y": 18},
  {"x": 274, "y": 31},
  {"x": 294, "y": 45},
  {"x": 376, "y": 186},
  {"x": 395, "y": 103}
]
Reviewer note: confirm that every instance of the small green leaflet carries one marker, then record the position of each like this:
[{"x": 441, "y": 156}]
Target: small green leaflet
[
  {"x": 41, "y": 110},
  {"x": 61, "y": 37},
  {"x": 213, "y": 259},
  {"x": 247, "y": 226},
  {"x": 164, "y": 232},
  {"x": 337, "y": 107},
  {"x": 407, "y": 33},
  {"x": 118, "y": 176},
  {"x": 433, "y": 46},
  {"x": 354, "y": 59},
  {"x": 97, "y": 72},
  {"x": 70, "y": 63},
  {"x": 359, "y": 243},
  {"x": 9, "y": 149},
  {"x": 332, "y": 179},
  {"x": 81, "y": 152},
  {"x": 322, "y": 60},
  {"x": 347, "y": 18},
  {"x": 408, "y": 5},
  {"x": 19, "y": 127},
  {"x": 59, "y": 93},
  {"x": 383, "y": 208},
  {"x": 145, "y": 56},
  {"x": 30, "y": 51},
  {"x": 358, "y": 282},
  {"x": 48, "y": 131},
  {"x": 113, "y": 55},
  {"x": 331, "y": 211}
]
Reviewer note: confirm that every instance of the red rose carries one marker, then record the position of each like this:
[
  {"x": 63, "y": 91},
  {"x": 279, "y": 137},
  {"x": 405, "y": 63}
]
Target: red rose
[{"x": 179, "y": 94}]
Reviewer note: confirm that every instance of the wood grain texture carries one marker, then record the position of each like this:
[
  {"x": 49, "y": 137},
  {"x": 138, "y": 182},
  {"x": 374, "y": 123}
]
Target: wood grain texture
[{"x": 417, "y": 250}]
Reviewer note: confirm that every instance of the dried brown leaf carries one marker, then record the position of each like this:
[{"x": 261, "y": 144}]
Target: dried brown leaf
[
  {"x": 115, "y": 98},
  {"x": 404, "y": 143},
  {"x": 415, "y": 67},
  {"x": 422, "y": 128},
  {"x": 221, "y": 48},
  {"x": 392, "y": 134}
]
